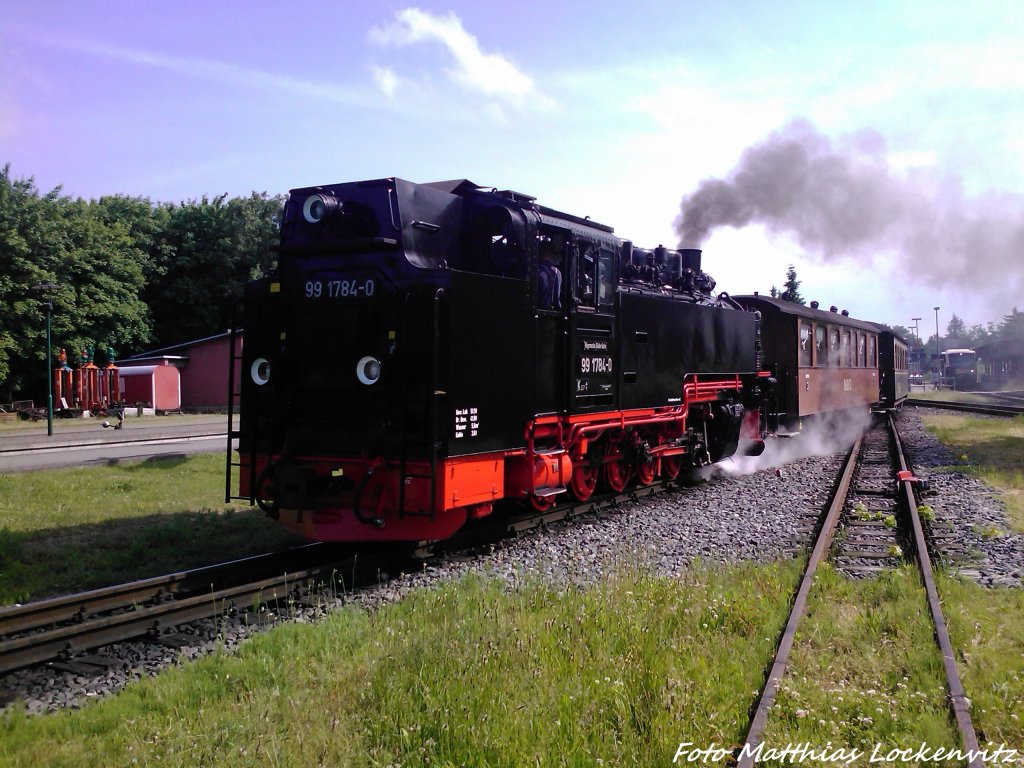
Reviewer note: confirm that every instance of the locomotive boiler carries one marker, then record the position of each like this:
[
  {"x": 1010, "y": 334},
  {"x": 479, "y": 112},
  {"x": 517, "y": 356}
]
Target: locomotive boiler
[{"x": 424, "y": 352}]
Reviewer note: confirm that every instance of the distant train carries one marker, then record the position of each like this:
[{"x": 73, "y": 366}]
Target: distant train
[
  {"x": 960, "y": 369},
  {"x": 425, "y": 351}
]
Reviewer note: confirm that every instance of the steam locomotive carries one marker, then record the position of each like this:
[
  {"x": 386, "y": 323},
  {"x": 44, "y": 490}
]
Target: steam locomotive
[{"x": 425, "y": 351}]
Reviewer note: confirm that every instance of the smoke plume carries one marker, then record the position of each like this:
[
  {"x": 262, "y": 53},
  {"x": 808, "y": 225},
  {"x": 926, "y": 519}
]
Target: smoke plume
[{"x": 841, "y": 199}]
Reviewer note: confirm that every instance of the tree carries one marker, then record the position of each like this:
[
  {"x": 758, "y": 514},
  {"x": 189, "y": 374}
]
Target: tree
[
  {"x": 956, "y": 328},
  {"x": 976, "y": 335},
  {"x": 95, "y": 252},
  {"x": 202, "y": 258},
  {"x": 30, "y": 253},
  {"x": 105, "y": 270},
  {"x": 130, "y": 273},
  {"x": 792, "y": 288},
  {"x": 1012, "y": 326}
]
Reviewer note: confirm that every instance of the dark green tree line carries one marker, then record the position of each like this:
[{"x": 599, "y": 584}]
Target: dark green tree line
[{"x": 131, "y": 273}]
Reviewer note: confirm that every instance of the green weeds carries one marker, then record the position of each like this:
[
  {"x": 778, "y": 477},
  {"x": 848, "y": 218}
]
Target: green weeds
[
  {"x": 465, "y": 674},
  {"x": 992, "y": 449},
  {"x": 69, "y": 529}
]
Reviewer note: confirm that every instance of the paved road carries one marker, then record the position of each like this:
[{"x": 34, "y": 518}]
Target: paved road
[{"x": 83, "y": 442}]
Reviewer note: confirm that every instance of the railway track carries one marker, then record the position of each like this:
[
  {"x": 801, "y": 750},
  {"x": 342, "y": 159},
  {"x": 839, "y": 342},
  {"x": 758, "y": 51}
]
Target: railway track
[
  {"x": 881, "y": 545},
  {"x": 987, "y": 409},
  {"x": 61, "y": 632}
]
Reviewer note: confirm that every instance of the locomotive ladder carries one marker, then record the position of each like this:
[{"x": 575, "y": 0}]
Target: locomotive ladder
[{"x": 234, "y": 397}]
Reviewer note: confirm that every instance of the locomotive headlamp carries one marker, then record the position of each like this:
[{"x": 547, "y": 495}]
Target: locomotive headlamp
[
  {"x": 260, "y": 371},
  {"x": 368, "y": 370},
  {"x": 319, "y": 207}
]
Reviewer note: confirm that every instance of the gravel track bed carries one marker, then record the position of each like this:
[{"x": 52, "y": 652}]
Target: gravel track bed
[
  {"x": 970, "y": 533},
  {"x": 760, "y": 516}
]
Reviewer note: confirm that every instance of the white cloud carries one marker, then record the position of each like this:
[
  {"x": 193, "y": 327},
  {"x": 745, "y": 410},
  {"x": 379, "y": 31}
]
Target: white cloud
[
  {"x": 385, "y": 79},
  {"x": 489, "y": 73}
]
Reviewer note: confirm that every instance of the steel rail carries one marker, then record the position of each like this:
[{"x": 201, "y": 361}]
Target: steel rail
[
  {"x": 755, "y": 734},
  {"x": 75, "y": 607},
  {"x": 958, "y": 701},
  {"x": 188, "y": 595},
  {"x": 982, "y": 408},
  {"x": 39, "y": 647}
]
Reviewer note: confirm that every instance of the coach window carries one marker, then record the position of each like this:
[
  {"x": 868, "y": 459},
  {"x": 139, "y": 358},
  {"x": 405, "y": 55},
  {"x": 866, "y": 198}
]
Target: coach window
[
  {"x": 820, "y": 345},
  {"x": 805, "y": 345},
  {"x": 833, "y": 347},
  {"x": 873, "y": 351},
  {"x": 862, "y": 350},
  {"x": 847, "y": 350}
]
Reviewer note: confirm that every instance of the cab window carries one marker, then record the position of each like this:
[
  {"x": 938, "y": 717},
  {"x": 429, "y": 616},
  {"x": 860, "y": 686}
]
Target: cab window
[
  {"x": 605, "y": 278},
  {"x": 500, "y": 248},
  {"x": 550, "y": 270},
  {"x": 586, "y": 269}
]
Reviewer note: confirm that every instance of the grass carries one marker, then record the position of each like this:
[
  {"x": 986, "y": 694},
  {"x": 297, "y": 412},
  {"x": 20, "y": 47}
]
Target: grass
[
  {"x": 465, "y": 674},
  {"x": 619, "y": 674},
  {"x": 69, "y": 529},
  {"x": 992, "y": 449},
  {"x": 865, "y": 669},
  {"x": 986, "y": 626}
]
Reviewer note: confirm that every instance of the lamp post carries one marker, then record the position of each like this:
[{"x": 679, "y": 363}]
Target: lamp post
[
  {"x": 47, "y": 288},
  {"x": 937, "y": 352},
  {"x": 917, "y": 352}
]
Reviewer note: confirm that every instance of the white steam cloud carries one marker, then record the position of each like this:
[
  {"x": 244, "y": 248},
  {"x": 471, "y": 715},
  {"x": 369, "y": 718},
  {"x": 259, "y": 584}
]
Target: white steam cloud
[{"x": 823, "y": 436}]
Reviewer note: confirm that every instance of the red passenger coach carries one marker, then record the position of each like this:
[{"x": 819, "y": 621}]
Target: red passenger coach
[{"x": 824, "y": 362}]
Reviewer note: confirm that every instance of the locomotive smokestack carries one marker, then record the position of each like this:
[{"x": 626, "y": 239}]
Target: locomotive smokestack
[{"x": 691, "y": 258}]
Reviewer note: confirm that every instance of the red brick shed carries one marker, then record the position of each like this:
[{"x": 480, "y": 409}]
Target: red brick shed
[{"x": 202, "y": 365}]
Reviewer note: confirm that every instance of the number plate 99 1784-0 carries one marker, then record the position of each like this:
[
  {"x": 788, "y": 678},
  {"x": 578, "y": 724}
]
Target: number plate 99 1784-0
[{"x": 352, "y": 288}]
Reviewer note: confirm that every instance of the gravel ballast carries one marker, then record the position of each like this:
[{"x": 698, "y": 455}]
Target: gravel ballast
[{"x": 971, "y": 532}]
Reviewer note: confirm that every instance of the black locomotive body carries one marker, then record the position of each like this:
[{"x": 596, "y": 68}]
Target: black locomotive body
[{"x": 426, "y": 350}]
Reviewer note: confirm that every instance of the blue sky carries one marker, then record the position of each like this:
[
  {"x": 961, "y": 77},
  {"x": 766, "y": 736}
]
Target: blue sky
[{"x": 608, "y": 109}]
